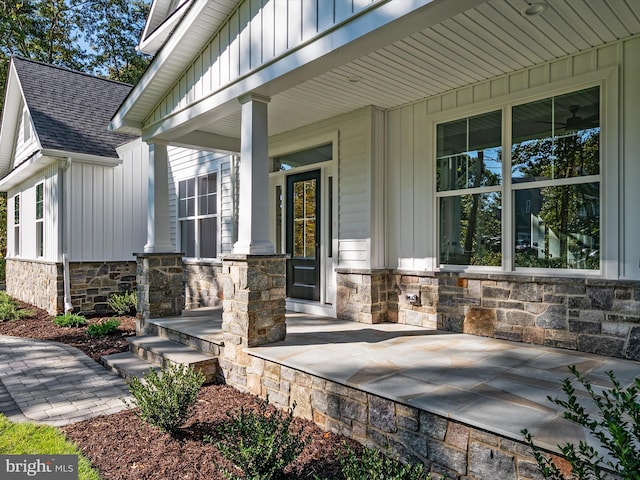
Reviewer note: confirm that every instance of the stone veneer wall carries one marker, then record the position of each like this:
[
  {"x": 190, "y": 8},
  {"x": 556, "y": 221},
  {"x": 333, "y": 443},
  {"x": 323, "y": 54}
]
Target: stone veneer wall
[
  {"x": 92, "y": 283},
  {"x": 42, "y": 283},
  {"x": 445, "y": 446},
  {"x": 585, "y": 314},
  {"x": 202, "y": 282},
  {"x": 36, "y": 282},
  {"x": 159, "y": 285},
  {"x": 365, "y": 296}
]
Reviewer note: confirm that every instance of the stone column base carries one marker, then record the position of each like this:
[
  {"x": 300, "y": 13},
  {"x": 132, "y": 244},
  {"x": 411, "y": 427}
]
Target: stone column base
[
  {"x": 254, "y": 299},
  {"x": 160, "y": 285}
]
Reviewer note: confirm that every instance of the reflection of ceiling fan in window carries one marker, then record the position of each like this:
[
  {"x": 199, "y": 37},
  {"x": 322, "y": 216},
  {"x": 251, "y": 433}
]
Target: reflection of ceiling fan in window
[{"x": 575, "y": 122}]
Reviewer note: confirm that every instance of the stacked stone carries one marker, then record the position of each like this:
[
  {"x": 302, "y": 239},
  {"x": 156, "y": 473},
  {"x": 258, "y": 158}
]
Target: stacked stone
[
  {"x": 446, "y": 447},
  {"x": 160, "y": 287}
]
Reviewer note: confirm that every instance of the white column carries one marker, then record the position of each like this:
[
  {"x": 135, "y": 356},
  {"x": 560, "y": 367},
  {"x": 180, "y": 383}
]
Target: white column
[
  {"x": 253, "y": 208},
  {"x": 158, "y": 237}
]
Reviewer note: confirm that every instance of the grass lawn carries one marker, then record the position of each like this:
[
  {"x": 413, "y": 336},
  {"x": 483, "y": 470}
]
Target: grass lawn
[{"x": 28, "y": 438}]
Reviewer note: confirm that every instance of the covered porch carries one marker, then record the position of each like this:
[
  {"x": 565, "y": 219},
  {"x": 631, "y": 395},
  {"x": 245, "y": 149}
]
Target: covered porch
[{"x": 454, "y": 400}]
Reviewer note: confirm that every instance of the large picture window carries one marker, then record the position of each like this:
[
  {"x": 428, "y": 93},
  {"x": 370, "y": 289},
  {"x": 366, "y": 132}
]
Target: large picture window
[
  {"x": 198, "y": 216},
  {"x": 548, "y": 210},
  {"x": 40, "y": 220}
]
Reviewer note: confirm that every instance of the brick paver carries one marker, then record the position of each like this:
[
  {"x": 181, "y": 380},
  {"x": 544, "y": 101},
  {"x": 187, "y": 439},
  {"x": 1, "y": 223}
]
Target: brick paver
[{"x": 52, "y": 383}]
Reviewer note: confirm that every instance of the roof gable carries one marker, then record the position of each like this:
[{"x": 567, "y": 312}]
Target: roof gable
[{"x": 70, "y": 110}]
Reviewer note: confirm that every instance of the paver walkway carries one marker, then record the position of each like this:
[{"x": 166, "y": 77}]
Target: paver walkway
[{"x": 52, "y": 383}]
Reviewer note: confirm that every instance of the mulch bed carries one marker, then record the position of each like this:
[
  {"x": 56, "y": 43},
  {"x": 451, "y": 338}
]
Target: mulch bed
[{"x": 123, "y": 447}]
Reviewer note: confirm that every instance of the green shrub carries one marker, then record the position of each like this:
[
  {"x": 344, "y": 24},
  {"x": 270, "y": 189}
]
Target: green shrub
[
  {"x": 70, "y": 320},
  {"x": 259, "y": 444},
  {"x": 373, "y": 464},
  {"x": 9, "y": 311},
  {"x": 616, "y": 427},
  {"x": 124, "y": 303},
  {"x": 166, "y": 400},
  {"x": 103, "y": 327}
]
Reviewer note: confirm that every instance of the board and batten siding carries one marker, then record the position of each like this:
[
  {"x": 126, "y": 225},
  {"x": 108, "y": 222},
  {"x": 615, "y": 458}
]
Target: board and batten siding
[
  {"x": 186, "y": 163},
  {"x": 27, "y": 191},
  {"x": 258, "y": 32},
  {"x": 25, "y": 147},
  {"x": 107, "y": 207},
  {"x": 355, "y": 195},
  {"x": 411, "y": 215}
]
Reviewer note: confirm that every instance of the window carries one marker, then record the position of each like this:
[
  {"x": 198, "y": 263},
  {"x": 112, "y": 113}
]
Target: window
[
  {"x": 40, "y": 220},
  {"x": 16, "y": 225},
  {"x": 551, "y": 202},
  {"x": 197, "y": 216},
  {"x": 26, "y": 126},
  {"x": 469, "y": 179}
]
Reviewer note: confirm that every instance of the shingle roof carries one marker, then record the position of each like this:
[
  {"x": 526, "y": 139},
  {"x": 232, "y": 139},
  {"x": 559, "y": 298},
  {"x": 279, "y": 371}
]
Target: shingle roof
[{"x": 71, "y": 110}]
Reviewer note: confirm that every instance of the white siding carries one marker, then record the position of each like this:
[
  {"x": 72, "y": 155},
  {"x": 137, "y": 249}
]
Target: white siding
[
  {"x": 256, "y": 33},
  {"x": 410, "y": 171},
  {"x": 25, "y": 147},
  {"x": 107, "y": 207},
  {"x": 185, "y": 163},
  {"x": 354, "y": 189},
  {"x": 27, "y": 192}
]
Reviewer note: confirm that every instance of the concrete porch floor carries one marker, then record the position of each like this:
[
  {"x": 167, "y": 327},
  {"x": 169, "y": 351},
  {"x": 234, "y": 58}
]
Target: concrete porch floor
[{"x": 495, "y": 385}]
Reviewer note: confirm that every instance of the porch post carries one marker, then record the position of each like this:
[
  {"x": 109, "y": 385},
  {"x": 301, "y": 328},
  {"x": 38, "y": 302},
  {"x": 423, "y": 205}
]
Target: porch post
[
  {"x": 253, "y": 208},
  {"x": 159, "y": 271},
  {"x": 253, "y": 276},
  {"x": 158, "y": 237}
]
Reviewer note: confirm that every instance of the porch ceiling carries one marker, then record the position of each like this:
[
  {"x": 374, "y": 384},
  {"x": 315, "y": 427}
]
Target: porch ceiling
[{"x": 488, "y": 41}]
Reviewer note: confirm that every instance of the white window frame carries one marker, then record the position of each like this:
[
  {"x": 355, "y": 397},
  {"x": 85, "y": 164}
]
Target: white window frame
[
  {"x": 16, "y": 224},
  {"x": 197, "y": 216},
  {"x": 39, "y": 221},
  {"x": 607, "y": 178}
]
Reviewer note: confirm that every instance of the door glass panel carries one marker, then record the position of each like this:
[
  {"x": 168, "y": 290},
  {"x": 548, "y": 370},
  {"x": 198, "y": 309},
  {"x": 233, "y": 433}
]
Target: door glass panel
[{"x": 304, "y": 220}]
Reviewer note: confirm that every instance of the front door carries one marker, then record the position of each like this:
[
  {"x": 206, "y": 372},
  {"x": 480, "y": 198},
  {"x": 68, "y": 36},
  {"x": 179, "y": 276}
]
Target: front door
[{"x": 303, "y": 235}]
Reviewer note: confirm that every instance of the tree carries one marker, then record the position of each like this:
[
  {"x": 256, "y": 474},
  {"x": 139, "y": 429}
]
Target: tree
[
  {"x": 113, "y": 29},
  {"x": 53, "y": 31}
]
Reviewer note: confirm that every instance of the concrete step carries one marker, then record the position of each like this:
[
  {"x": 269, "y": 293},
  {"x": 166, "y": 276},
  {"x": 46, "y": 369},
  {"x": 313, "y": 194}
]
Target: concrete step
[
  {"x": 202, "y": 332},
  {"x": 161, "y": 351},
  {"x": 127, "y": 365}
]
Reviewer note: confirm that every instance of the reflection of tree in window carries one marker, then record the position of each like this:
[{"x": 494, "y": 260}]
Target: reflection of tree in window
[
  {"x": 557, "y": 142},
  {"x": 469, "y": 163},
  {"x": 304, "y": 221}
]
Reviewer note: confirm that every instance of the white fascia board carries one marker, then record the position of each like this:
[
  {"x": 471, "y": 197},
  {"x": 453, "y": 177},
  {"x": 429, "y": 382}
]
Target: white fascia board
[
  {"x": 152, "y": 41},
  {"x": 25, "y": 170},
  {"x": 119, "y": 121},
  {"x": 372, "y": 29},
  {"x": 13, "y": 100},
  {"x": 83, "y": 158}
]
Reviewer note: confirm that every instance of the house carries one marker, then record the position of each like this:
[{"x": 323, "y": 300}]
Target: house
[
  {"x": 77, "y": 192},
  {"x": 463, "y": 165}
]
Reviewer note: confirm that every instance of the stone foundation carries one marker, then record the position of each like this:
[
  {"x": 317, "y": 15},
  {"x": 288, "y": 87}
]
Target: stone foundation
[
  {"x": 91, "y": 283},
  {"x": 364, "y": 296},
  {"x": 202, "y": 282},
  {"x": 446, "y": 447},
  {"x": 36, "y": 282},
  {"x": 160, "y": 287},
  {"x": 585, "y": 314}
]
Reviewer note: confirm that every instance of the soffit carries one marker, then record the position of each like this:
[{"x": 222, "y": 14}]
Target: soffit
[
  {"x": 197, "y": 25},
  {"x": 485, "y": 42}
]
